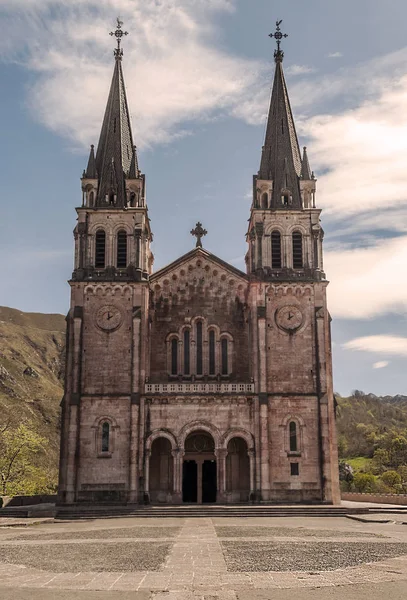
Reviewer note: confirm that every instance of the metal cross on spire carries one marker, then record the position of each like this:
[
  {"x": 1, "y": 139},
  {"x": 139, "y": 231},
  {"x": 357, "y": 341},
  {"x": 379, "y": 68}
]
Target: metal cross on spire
[
  {"x": 278, "y": 35},
  {"x": 198, "y": 232},
  {"x": 119, "y": 33}
]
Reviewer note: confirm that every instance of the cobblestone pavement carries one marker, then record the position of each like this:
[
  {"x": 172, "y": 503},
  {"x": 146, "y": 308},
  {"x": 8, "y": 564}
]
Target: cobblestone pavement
[{"x": 204, "y": 558}]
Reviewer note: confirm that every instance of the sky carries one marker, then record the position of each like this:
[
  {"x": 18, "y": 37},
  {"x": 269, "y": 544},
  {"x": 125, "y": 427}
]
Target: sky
[{"x": 198, "y": 75}]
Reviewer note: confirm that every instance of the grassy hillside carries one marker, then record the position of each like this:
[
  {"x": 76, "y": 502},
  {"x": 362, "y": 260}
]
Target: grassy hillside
[{"x": 31, "y": 371}]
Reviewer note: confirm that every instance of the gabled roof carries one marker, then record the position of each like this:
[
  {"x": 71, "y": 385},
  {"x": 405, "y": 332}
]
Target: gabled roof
[
  {"x": 281, "y": 158},
  {"x": 198, "y": 253},
  {"x": 116, "y": 147}
]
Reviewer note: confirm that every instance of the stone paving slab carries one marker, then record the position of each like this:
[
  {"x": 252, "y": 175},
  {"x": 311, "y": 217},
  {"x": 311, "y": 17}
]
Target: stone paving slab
[{"x": 196, "y": 564}]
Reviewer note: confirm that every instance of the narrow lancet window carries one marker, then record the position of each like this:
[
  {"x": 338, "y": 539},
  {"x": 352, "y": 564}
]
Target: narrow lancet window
[
  {"x": 121, "y": 261},
  {"x": 212, "y": 362},
  {"x": 225, "y": 357},
  {"x": 276, "y": 250},
  {"x": 264, "y": 200},
  {"x": 105, "y": 437},
  {"x": 199, "y": 349},
  {"x": 297, "y": 250},
  {"x": 174, "y": 357},
  {"x": 187, "y": 368},
  {"x": 100, "y": 249},
  {"x": 293, "y": 437}
]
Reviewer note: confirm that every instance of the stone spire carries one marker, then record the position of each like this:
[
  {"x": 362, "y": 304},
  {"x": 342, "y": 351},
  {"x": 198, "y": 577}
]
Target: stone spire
[
  {"x": 116, "y": 151},
  {"x": 306, "y": 173},
  {"x": 91, "y": 172},
  {"x": 281, "y": 159}
]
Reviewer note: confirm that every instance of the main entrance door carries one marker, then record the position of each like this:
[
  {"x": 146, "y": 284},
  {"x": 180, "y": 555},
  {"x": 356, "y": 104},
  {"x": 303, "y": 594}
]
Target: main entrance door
[{"x": 199, "y": 469}]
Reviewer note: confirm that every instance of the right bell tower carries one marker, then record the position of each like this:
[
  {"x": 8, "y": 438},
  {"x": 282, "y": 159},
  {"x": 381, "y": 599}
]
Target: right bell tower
[{"x": 291, "y": 341}]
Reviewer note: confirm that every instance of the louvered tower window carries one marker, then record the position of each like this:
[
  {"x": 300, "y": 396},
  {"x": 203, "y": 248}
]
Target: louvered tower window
[
  {"x": 297, "y": 250},
  {"x": 100, "y": 249},
  {"x": 276, "y": 250},
  {"x": 121, "y": 249}
]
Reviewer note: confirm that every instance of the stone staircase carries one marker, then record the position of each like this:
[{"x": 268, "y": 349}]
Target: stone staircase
[{"x": 182, "y": 511}]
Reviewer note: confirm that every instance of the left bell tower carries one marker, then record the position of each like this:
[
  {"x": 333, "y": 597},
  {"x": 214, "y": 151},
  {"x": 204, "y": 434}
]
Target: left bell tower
[{"x": 106, "y": 362}]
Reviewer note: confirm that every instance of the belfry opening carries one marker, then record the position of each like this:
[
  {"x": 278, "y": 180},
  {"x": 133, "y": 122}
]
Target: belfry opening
[{"x": 199, "y": 472}]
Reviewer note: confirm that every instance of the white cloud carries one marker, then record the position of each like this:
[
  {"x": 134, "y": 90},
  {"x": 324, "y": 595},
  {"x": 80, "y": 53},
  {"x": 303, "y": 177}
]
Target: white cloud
[
  {"x": 299, "y": 70},
  {"x": 366, "y": 282},
  {"x": 173, "y": 71},
  {"x": 385, "y": 344},
  {"x": 381, "y": 364},
  {"x": 335, "y": 55}
]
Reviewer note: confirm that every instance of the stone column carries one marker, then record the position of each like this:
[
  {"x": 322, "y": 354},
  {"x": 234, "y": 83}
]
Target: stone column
[
  {"x": 259, "y": 236},
  {"x": 257, "y": 443},
  {"x": 221, "y": 454},
  {"x": 251, "y": 460},
  {"x": 133, "y": 479},
  {"x": 147, "y": 474},
  {"x": 264, "y": 448},
  {"x": 178, "y": 459}
]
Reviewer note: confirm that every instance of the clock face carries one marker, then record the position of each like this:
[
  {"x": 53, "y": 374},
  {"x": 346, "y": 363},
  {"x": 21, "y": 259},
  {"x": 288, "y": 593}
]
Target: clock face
[
  {"x": 108, "y": 318},
  {"x": 289, "y": 318}
]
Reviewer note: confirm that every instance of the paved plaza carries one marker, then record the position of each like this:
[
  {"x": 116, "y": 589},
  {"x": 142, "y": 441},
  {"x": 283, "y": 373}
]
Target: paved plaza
[{"x": 205, "y": 559}]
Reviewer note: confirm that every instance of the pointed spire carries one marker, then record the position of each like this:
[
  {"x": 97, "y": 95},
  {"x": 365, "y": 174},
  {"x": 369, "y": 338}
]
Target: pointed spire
[
  {"x": 115, "y": 149},
  {"x": 91, "y": 172},
  {"x": 134, "y": 172},
  {"x": 306, "y": 173},
  {"x": 281, "y": 157}
]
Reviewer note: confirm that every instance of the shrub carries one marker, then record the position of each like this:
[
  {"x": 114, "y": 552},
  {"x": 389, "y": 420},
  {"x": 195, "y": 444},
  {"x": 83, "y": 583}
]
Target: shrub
[{"x": 364, "y": 483}]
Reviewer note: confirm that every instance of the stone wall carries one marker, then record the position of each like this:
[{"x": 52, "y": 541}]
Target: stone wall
[{"x": 400, "y": 499}]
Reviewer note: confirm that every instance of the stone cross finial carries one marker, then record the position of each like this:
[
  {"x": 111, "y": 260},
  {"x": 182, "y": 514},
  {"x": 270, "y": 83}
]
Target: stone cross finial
[
  {"x": 119, "y": 33},
  {"x": 198, "y": 232},
  {"x": 278, "y": 35}
]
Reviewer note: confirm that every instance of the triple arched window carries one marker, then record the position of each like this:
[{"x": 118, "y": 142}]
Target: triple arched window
[{"x": 200, "y": 351}]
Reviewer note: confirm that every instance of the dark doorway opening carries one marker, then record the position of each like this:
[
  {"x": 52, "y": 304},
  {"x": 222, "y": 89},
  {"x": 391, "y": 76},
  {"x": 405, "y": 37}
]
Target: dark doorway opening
[
  {"x": 190, "y": 481},
  {"x": 209, "y": 481}
]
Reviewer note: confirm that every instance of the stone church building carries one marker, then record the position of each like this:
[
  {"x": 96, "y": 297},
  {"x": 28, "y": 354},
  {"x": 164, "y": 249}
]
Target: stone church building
[{"x": 199, "y": 382}]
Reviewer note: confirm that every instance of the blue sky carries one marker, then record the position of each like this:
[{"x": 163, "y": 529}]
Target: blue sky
[{"x": 198, "y": 75}]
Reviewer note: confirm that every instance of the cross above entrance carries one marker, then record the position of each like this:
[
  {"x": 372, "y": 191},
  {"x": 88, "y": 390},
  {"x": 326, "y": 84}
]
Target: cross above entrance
[{"x": 199, "y": 233}]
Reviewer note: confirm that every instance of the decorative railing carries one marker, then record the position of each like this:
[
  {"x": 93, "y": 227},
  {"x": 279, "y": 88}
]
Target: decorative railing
[{"x": 200, "y": 388}]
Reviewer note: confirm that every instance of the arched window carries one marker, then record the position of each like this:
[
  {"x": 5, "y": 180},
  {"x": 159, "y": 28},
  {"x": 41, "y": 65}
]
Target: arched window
[
  {"x": 105, "y": 436},
  {"x": 276, "y": 250},
  {"x": 91, "y": 199},
  {"x": 225, "y": 357},
  {"x": 212, "y": 361},
  {"x": 293, "y": 436},
  {"x": 187, "y": 366},
  {"x": 264, "y": 200},
  {"x": 121, "y": 258},
  {"x": 100, "y": 249},
  {"x": 297, "y": 250},
  {"x": 199, "y": 349},
  {"x": 174, "y": 356}
]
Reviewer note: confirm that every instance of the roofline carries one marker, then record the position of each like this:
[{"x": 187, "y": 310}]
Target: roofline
[{"x": 206, "y": 254}]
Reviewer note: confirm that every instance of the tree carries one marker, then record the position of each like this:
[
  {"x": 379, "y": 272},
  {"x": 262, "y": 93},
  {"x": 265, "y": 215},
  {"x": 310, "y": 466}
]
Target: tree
[
  {"x": 364, "y": 483},
  {"x": 18, "y": 446},
  {"x": 392, "y": 480}
]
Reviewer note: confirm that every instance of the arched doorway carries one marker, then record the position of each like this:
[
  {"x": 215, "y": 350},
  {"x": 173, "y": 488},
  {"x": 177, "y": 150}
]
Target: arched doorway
[
  {"x": 199, "y": 473},
  {"x": 161, "y": 471},
  {"x": 238, "y": 470}
]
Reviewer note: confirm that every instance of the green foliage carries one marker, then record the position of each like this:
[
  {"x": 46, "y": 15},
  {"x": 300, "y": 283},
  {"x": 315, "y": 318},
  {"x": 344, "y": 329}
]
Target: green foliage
[
  {"x": 364, "y": 483},
  {"x": 392, "y": 480},
  {"x": 19, "y": 474}
]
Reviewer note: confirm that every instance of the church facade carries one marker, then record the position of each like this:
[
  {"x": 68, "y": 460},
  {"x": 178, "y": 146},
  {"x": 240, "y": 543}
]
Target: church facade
[{"x": 198, "y": 383}]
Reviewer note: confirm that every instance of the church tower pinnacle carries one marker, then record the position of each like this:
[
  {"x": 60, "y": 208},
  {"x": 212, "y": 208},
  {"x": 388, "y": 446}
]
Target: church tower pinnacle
[
  {"x": 113, "y": 191},
  {"x": 283, "y": 195}
]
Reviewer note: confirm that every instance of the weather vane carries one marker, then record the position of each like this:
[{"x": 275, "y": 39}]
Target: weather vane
[
  {"x": 278, "y": 35},
  {"x": 119, "y": 33},
  {"x": 198, "y": 232}
]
